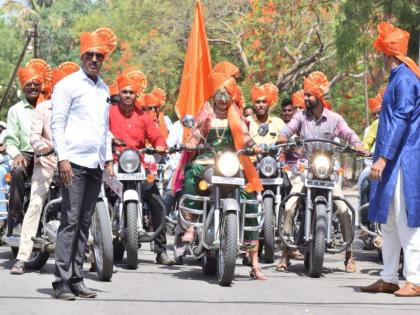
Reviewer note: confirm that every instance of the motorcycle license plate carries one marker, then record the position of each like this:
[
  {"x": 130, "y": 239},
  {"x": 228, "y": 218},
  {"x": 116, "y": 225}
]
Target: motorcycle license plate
[
  {"x": 271, "y": 181},
  {"x": 161, "y": 167},
  {"x": 228, "y": 180},
  {"x": 319, "y": 184},
  {"x": 134, "y": 176}
]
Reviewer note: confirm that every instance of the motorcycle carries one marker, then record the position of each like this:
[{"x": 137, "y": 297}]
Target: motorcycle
[
  {"x": 220, "y": 224},
  {"x": 316, "y": 226},
  {"x": 273, "y": 179},
  {"x": 131, "y": 216},
  {"x": 3, "y": 214},
  {"x": 100, "y": 236}
]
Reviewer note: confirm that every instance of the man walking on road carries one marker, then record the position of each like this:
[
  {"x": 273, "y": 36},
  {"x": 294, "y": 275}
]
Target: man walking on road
[
  {"x": 395, "y": 174},
  {"x": 80, "y": 131}
]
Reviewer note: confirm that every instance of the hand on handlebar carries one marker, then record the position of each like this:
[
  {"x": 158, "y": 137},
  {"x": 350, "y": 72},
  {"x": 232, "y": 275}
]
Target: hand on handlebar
[
  {"x": 281, "y": 139},
  {"x": 118, "y": 142},
  {"x": 361, "y": 149},
  {"x": 160, "y": 149}
]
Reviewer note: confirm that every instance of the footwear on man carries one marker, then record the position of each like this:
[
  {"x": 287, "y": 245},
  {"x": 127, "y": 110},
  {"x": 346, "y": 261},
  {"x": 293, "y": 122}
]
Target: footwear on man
[
  {"x": 18, "y": 268},
  {"x": 81, "y": 290},
  {"x": 380, "y": 286},
  {"x": 62, "y": 292},
  {"x": 408, "y": 290},
  {"x": 164, "y": 259}
]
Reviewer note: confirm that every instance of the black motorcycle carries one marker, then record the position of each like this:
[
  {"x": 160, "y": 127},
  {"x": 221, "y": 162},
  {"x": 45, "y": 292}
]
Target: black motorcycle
[{"x": 316, "y": 226}]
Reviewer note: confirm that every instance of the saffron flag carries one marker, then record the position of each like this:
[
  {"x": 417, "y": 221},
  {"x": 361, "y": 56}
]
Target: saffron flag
[{"x": 195, "y": 84}]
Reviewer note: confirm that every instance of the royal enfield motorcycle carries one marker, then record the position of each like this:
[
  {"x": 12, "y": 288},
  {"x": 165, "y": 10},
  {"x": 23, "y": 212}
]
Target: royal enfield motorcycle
[
  {"x": 316, "y": 227},
  {"x": 131, "y": 218},
  {"x": 100, "y": 233},
  {"x": 220, "y": 222}
]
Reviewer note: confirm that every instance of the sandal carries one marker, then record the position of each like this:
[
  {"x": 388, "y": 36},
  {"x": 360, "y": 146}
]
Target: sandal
[
  {"x": 257, "y": 274},
  {"x": 188, "y": 236},
  {"x": 283, "y": 265},
  {"x": 296, "y": 255},
  {"x": 378, "y": 241},
  {"x": 350, "y": 265},
  {"x": 18, "y": 268}
]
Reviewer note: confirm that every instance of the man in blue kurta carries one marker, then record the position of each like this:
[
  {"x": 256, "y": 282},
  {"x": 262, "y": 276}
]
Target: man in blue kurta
[{"x": 395, "y": 174}]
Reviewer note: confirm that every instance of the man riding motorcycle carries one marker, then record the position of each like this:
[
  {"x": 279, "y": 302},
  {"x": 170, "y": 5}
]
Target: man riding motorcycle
[
  {"x": 319, "y": 122},
  {"x": 131, "y": 127}
]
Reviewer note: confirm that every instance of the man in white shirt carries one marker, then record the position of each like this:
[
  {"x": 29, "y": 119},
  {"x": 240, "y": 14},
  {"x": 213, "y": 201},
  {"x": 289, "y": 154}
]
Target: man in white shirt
[{"x": 80, "y": 132}]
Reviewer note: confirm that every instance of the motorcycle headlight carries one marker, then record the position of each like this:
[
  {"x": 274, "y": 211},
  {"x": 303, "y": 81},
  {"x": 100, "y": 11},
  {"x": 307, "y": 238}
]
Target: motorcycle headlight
[
  {"x": 129, "y": 161},
  {"x": 228, "y": 164},
  {"x": 268, "y": 166},
  {"x": 322, "y": 166}
]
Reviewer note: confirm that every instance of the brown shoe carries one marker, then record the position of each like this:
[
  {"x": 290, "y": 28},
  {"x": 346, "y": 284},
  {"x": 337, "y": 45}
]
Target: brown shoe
[
  {"x": 380, "y": 286},
  {"x": 409, "y": 289}
]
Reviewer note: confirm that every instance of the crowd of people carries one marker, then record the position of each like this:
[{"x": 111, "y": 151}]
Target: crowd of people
[{"x": 70, "y": 121}]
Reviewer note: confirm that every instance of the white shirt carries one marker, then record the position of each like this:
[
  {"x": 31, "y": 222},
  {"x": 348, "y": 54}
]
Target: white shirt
[
  {"x": 80, "y": 120},
  {"x": 175, "y": 138}
]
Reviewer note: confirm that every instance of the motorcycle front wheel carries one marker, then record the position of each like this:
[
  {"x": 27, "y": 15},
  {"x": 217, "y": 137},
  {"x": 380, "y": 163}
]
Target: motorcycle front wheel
[
  {"x": 228, "y": 249},
  {"x": 132, "y": 235},
  {"x": 317, "y": 244},
  {"x": 103, "y": 251},
  {"x": 269, "y": 239}
]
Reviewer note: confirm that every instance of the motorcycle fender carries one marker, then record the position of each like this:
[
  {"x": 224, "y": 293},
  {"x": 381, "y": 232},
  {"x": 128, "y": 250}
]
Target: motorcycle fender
[
  {"x": 230, "y": 204},
  {"x": 130, "y": 195},
  {"x": 321, "y": 199},
  {"x": 268, "y": 193}
]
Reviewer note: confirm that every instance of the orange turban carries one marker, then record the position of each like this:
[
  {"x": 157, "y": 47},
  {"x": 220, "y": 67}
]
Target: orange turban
[
  {"x": 155, "y": 98},
  {"x": 393, "y": 41},
  {"x": 227, "y": 68},
  {"x": 103, "y": 40},
  {"x": 68, "y": 67},
  {"x": 298, "y": 99},
  {"x": 269, "y": 91},
  {"x": 27, "y": 74},
  {"x": 57, "y": 75},
  {"x": 316, "y": 84},
  {"x": 113, "y": 89},
  {"x": 124, "y": 81},
  {"x": 140, "y": 78},
  {"x": 221, "y": 80},
  {"x": 231, "y": 70},
  {"x": 376, "y": 102}
]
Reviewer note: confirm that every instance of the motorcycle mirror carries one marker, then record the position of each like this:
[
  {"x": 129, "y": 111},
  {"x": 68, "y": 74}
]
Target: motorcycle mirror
[
  {"x": 263, "y": 130},
  {"x": 188, "y": 121}
]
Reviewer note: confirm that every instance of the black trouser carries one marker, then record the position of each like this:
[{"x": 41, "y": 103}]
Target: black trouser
[
  {"x": 160, "y": 240},
  {"x": 79, "y": 199},
  {"x": 17, "y": 191}
]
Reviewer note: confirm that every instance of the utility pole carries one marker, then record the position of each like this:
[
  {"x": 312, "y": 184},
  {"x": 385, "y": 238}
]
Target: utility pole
[
  {"x": 35, "y": 37},
  {"x": 31, "y": 34},
  {"x": 365, "y": 86}
]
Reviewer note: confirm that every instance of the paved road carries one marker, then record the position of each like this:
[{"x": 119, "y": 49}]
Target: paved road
[{"x": 155, "y": 289}]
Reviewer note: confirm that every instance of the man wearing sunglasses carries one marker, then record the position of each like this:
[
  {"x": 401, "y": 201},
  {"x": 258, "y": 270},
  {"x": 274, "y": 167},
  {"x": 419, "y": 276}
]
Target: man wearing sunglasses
[{"x": 81, "y": 137}]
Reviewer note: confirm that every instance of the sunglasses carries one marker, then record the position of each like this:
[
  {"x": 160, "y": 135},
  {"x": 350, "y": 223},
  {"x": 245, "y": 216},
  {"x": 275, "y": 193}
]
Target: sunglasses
[
  {"x": 98, "y": 56},
  {"x": 150, "y": 108}
]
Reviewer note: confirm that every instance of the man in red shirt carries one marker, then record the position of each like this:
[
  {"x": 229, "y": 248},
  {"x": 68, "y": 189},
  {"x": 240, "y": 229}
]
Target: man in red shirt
[{"x": 131, "y": 127}]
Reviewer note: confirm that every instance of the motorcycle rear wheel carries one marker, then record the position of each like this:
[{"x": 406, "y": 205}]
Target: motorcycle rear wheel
[
  {"x": 103, "y": 251},
  {"x": 228, "y": 249},
  {"x": 317, "y": 244},
  {"x": 36, "y": 261},
  {"x": 132, "y": 235}
]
